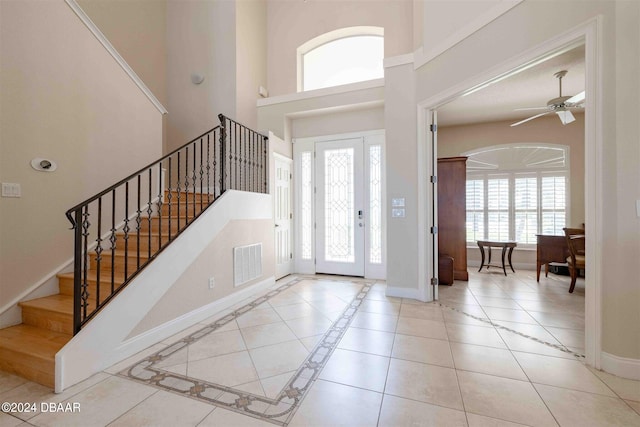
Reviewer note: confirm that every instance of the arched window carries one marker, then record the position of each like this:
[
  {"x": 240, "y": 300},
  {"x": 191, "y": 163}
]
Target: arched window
[
  {"x": 340, "y": 57},
  {"x": 515, "y": 191}
]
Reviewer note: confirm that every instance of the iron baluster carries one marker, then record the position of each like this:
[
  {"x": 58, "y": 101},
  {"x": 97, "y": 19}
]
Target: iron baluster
[
  {"x": 235, "y": 157},
  {"x": 159, "y": 206},
  {"x": 98, "y": 251},
  {"x": 208, "y": 169},
  {"x": 195, "y": 178},
  {"x": 223, "y": 153},
  {"x": 186, "y": 187},
  {"x": 201, "y": 172},
  {"x": 149, "y": 215},
  {"x": 254, "y": 153},
  {"x": 84, "y": 293},
  {"x": 138, "y": 227},
  {"x": 126, "y": 228},
  {"x": 265, "y": 159},
  {"x": 178, "y": 189},
  {"x": 169, "y": 197},
  {"x": 243, "y": 141},
  {"x": 113, "y": 238}
]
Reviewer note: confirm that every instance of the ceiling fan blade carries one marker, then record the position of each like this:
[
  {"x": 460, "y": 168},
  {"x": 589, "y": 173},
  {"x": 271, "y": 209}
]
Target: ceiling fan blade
[
  {"x": 566, "y": 117},
  {"x": 531, "y": 108},
  {"x": 576, "y": 99},
  {"x": 530, "y": 118}
]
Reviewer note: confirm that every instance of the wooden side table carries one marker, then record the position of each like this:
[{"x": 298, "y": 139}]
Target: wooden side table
[{"x": 493, "y": 244}]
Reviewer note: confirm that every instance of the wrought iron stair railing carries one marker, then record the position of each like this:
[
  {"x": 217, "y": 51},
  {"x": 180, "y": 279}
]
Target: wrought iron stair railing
[{"x": 122, "y": 229}]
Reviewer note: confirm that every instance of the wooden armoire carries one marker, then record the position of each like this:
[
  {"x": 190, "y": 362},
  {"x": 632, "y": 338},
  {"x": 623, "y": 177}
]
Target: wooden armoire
[{"x": 452, "y": 213}]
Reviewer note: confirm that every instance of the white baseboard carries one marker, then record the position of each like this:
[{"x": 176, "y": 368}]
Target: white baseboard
[
  {"x": 620, "y": 366},
  {"x": 398, "y": 292}
]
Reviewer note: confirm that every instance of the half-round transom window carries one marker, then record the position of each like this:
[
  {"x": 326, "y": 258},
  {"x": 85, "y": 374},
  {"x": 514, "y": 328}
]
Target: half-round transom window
[{"x": 343, "y": 60}]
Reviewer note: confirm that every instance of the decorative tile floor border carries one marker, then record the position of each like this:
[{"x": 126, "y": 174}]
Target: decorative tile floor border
[
  {"x": 559, "y": 347},
  {"x": 278, "y": 411}
]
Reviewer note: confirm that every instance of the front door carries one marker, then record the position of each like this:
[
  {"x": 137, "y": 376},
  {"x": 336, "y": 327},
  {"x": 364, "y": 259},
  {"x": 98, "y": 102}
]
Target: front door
[{"x": 340, "y": 211}]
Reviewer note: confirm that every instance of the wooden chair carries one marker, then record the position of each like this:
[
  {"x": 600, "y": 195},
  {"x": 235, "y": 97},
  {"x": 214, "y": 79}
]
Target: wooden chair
[{"x": 576, "y": 259}]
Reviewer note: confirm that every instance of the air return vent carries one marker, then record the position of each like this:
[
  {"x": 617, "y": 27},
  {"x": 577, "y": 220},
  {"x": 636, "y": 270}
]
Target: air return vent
[{"x": 247, "y": 263}]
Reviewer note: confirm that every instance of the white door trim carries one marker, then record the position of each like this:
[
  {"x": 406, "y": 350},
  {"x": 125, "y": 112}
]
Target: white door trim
[
  {"x": 282, "y": 270},
  {"x": 589, "y": 33},
  {"x": 307, "y": 145}
]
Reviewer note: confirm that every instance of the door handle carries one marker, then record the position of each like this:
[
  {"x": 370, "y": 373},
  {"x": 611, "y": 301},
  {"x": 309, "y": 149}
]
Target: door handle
[{"x": 277, "y": 225}]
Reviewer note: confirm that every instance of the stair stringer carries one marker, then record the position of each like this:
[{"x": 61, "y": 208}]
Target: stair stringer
[{"x": 104, "y": 340}]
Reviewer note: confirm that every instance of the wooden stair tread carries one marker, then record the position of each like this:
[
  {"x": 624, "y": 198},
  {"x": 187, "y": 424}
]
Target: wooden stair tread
[
  {"x": 92, "y": 276},
  {"x": 32, "y": 340},
  {"x": 56, "y": 303},
  {"x": 145, "y": 233}
]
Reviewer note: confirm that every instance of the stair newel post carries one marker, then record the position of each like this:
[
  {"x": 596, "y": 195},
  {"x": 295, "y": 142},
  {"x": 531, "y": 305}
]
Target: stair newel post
[
  {"x": 77, "y": 269},
  {"x": 223, "y": 153}
]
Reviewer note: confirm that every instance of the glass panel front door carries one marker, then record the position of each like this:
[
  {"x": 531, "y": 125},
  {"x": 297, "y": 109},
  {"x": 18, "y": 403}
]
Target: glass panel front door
[{"x": 340, "y": 211}]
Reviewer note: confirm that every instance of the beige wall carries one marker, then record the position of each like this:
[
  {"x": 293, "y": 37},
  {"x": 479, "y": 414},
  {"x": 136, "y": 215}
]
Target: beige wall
[
  {"x": 291, "y": 23},
  {"x": 225, "y": 42},
  {"x": 165, "y": 41},
  {"x": 337, "y": 123},
  {"x": 278, "y": 117},
  {"x": 191, "y": 290},
  {"x": 621, "y": 301},
  {"x": 505, "y": 38},
  {"x": 63, "y": 97},
  {"x": 444, "y": 19},
  {"x": 136, "y": 28},
  {"x": 200, "y": 39},
  {"x": 455, "y": 140},
  {"x": 402, "y": 175},
  {"x": 251, "y": 57}
]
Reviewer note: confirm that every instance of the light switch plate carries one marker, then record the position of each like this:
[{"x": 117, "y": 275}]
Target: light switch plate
[
  {"x": 10, "y": 189},
  {"x": 397, "y": 213},
  {"x": 638, "y": 208}
]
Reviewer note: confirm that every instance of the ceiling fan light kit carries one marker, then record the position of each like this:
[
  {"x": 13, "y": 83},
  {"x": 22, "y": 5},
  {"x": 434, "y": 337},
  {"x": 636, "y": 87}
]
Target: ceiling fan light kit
[{"x": 559, "y": 105}]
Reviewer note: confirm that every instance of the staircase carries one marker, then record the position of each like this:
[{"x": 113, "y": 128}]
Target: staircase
[
  {"x": 29, "y": 349},
  {"x": 119, "y": 231}
]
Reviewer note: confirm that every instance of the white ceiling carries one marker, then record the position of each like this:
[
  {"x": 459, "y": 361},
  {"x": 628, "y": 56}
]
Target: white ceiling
[{"x": 529, "y": 88}]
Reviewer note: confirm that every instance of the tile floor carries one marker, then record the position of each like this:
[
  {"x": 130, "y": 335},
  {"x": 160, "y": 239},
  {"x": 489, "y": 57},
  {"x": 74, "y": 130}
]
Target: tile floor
[{"x": 317, "y": 351}]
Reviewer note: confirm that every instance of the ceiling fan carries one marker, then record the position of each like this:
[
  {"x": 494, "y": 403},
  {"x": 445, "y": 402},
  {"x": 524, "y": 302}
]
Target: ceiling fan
[{"x": 559, "y": 105}]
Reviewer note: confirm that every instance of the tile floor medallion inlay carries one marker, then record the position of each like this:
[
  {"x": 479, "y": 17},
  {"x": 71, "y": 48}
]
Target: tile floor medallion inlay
[
  {"x": 174, "y": 369},
  {"x": 559, "y": 347}
]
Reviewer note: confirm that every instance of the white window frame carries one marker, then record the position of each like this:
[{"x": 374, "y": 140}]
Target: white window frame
[
  {"x": 328, "y": 38},
  {"x": 539, "y": 171}
]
